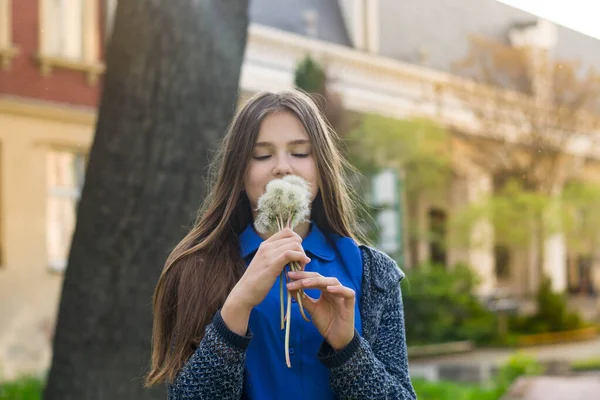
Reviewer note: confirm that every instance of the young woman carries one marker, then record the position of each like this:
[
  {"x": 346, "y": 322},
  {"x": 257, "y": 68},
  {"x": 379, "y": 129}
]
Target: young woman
[{"x": 217, "y": 307}]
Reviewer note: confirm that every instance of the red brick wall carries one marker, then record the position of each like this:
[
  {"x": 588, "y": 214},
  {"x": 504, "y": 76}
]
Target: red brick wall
[{"x": 24, "y": 78}]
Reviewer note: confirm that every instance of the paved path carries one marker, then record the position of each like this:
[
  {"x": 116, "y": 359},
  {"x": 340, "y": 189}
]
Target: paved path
[
  {"x": 557, "y": 352},
  {"x": 555, "y": 388},
  {"x": 478, "y": 365}
]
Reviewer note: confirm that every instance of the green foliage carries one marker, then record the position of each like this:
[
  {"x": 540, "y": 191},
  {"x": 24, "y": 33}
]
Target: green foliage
[
  {"x": 552, "y": 314},
  {"x": 517, "y": 366},
  {"x": 589, "y": 364},
  {"x": 581, "y": 216},
  {"x": 452, "y": 391},
  {"x": 26, "y": 388},
  {"x": 440, "y": 306},
  {"x": 419, "y": 147},
  {"x": 515, "y": 214},
  {"x": 309, "y": 76}
]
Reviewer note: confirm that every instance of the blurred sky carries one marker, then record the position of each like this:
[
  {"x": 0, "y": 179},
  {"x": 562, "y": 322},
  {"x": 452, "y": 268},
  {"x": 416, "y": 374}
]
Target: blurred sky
[{"x": 580, "y": 15}]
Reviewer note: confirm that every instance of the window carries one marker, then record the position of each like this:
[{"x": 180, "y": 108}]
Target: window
[
  {"x": 65, "y": 173},
  {"x": 65, "y": 38},
  {"x": 69, "y": 37},
  {"x": 437, "y": 236},
  {"x": 7, "y": 51},
  {"x": 502, "y": 261}
]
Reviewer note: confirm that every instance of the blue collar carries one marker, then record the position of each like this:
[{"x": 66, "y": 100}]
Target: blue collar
[{"x": 314, "y": 243}]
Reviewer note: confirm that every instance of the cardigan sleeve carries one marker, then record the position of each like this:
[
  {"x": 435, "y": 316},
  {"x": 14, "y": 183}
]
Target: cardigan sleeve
[
  {"x": 362, "y": 371},
  {"x": 216, "y": 369}
]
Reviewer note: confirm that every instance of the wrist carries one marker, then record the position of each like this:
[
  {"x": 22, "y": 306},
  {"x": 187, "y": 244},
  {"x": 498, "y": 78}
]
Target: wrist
[
  {"x": 340, "y": 343},
  {"x": 236, "y": 314},
  {"x": 332, "y": 358},
  {"x": 236, "y": 302}
]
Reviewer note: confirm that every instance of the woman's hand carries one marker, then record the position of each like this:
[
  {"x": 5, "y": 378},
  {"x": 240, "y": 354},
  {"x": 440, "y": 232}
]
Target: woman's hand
[
  {"x": 268, "y": 262},
  {"x": 333, "y": 312}
]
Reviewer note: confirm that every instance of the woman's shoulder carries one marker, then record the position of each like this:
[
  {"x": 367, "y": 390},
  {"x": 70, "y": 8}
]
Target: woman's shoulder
[{"x": 379, "y": 268}]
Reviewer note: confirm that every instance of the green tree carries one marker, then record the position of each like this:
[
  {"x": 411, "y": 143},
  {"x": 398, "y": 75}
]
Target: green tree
[
  {"x": 418, "y": 148},
  {"x": 581, "y": 216},
  {"x": 311, "y": 77},
  {"x": 440, "y": 306},
  {"x": 531, "y": 110}
]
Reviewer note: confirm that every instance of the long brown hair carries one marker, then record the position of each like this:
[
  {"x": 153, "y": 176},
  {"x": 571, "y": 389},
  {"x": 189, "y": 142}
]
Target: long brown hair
[{"x": 203, "y": 268}]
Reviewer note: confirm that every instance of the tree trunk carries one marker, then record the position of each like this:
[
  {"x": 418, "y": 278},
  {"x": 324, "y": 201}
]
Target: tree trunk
[{"x": 170, "y": 91}]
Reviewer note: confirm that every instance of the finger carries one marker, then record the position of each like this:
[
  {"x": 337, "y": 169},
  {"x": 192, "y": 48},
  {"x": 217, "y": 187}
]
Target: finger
[
  {"x": 304, "y": 274},
  {"x": 285, "y": 239},
  {"x": 319, "y": 282},
  {"x": 283, "y": 234},
  {"x": 290, "y": 255},
  {"x": 289, "y": 245},
  {"x": 342, "y": 291},
  {"x": 282, "y": 244},
  {"x": 292, "y": 247},
  {"x": 302, "y": 264}
]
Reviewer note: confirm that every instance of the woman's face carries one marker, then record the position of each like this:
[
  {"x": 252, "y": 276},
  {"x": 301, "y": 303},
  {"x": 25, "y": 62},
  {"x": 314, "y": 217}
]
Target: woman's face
[{"x": 282, "y": 148}]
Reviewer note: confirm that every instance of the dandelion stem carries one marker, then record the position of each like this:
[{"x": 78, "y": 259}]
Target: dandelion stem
[
  {"x": 299, "y": 293},
  {"x": 294, "y": 266},
  {"x": 281, "y": 278},
  {"x": 287, "y": 330}
]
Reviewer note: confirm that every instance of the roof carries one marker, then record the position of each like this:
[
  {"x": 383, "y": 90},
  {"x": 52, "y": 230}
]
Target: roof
[
  {"x": 434, "y": 33},
  {"x": 288, "y": 15},
  {"x": 441, "y": 29}
]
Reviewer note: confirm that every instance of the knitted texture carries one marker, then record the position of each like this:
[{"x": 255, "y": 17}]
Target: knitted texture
[{"x": 372, "y": 366}]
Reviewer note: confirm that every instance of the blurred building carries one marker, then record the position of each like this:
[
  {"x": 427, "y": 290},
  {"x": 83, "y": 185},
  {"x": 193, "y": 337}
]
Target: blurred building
[
  {"x": 382, "y": 56},
  {"x": 50, "y": 79}
]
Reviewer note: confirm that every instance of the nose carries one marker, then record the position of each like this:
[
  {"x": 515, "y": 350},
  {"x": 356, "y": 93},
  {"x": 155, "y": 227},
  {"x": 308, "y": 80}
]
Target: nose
[{"x": 282, "y": 167}]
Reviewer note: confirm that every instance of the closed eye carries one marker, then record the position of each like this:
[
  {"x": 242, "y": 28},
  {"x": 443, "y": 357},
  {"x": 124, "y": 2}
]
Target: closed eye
[
  {"x": 262, "y": 157},
  {"x": 300, "y": 155}
]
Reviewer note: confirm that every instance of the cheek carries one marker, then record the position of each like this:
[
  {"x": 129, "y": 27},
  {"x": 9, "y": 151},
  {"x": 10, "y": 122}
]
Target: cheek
[
  {"x": 254, "y": 183},
  {"x": 313, "y": 178}
]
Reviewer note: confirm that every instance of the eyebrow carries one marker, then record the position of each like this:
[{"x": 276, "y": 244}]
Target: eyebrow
[{"x": 293, "y": 142}]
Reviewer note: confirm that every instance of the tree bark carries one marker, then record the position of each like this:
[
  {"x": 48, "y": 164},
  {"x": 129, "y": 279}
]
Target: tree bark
[{"x": 172, "y": 79}]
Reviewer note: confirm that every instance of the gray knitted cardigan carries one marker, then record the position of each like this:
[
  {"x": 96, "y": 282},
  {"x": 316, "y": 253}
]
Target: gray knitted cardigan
[{"x": 372, "y": 366}]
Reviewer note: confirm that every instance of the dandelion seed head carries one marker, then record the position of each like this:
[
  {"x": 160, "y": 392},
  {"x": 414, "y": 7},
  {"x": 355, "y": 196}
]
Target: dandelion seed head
[{"x": 284, "y": 200}]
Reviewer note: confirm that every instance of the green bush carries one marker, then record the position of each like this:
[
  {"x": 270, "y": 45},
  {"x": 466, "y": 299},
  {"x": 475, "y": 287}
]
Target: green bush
[
  {"x": 518, "y": 365},
  {"x": 26, "y": 388},
  {"x": 440, "y": 306},
  {"x": 590, "y": 364},
  {"x": 552, "y": 314},
  {"x": 452, "y": 391}
]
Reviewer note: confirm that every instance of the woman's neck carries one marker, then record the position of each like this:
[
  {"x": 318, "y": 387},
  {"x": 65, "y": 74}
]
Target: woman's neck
[{"x": 302, "y": 229}]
